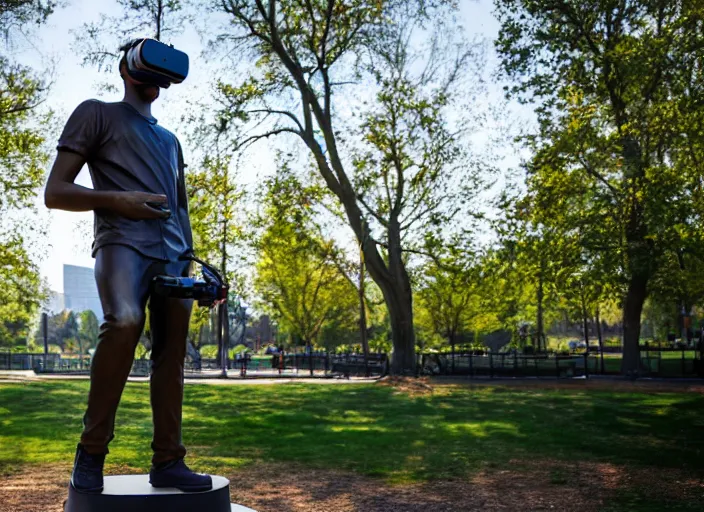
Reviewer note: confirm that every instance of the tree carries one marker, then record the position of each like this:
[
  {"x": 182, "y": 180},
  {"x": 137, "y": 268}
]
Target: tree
[
  {"x": 88, "y": 330},
  {"x": 61, "y": 327},
  {"x": 619, "y": 105},
  {"x": 445, "y": 295},
  {"x": 68, "y": 330},
  {"x": 401, "y": 176},
  {"x": 215, "y": 210},
  {"x": 297, "y": 276},
  {"x": 22, "y": 160},
  {"x": 213, "y": 206}
]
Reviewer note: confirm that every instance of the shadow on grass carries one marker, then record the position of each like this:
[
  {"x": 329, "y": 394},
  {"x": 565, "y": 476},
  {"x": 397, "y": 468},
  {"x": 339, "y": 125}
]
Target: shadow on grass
[{"x": 369, "y": 429}]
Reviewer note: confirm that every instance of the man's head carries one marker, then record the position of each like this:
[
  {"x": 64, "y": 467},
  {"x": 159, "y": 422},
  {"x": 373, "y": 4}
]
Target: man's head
[{"x": 148, "y": 65}]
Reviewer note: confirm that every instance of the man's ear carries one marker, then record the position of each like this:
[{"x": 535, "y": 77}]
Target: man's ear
[{"x": 122, "y": 68}]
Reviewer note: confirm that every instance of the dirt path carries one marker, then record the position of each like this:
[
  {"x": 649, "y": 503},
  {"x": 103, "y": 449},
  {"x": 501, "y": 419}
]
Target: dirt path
[{"x": 531, "y": 486}]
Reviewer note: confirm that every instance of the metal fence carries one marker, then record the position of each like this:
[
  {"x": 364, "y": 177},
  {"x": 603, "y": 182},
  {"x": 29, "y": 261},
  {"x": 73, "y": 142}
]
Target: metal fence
[
  {"x": 503, "y": 365},
  {"x": 657, "y": 361},
  {"x": 37, "y": 362},
  {"x": 319, "y": 364}
]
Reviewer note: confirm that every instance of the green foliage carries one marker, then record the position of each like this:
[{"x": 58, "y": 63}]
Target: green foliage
[
  {"x": 297, "y": 273},
  {"x": 450, "y": 302},
  {"x": 209, "y": 352},
  {"x": 401, "y": 171},
  {"x": 380, "y": 342},
  {"x": 238, "y": 350},
  {"x": 22, "y": 161},
  {"x": 214, "y": 203},
  {"x": 142, "y": 352},
  {"x": 63, "y": 328},
  {"x": 89, "y": 329},
  {"x": 619, "y": 138}
]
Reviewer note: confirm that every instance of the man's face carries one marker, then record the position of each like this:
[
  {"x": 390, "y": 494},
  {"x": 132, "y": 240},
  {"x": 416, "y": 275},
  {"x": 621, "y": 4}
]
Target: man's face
[{"x": 147, "y": 93}]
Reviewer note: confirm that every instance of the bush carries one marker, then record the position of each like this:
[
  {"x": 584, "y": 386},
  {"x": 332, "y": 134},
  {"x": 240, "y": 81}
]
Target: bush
[
  {"x": 141, "y": 352},
  {"x": 209, "y": 352},
  {"x": 238, "y": 350}
]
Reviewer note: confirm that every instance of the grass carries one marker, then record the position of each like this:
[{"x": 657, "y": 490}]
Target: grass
[{"x": 371, "y": 429}]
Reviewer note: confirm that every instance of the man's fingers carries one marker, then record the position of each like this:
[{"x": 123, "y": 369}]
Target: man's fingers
[{"x": 155, "y": 198}]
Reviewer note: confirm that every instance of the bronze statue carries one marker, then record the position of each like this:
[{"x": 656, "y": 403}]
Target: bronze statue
[{"x": 142, "y": 229}]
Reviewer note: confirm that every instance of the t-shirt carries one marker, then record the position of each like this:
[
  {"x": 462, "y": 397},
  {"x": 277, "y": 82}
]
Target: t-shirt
[{"x": 127, "y": 151}]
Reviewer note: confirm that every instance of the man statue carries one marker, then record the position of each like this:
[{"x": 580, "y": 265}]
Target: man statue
[{"x": 141, "y": 230}]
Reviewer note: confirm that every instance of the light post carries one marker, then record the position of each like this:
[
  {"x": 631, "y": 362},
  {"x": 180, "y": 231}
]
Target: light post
[{"x": 222, "y": 342}]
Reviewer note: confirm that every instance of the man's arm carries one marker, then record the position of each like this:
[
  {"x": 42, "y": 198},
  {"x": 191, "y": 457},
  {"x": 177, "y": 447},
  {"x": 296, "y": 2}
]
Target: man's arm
[{"x": 62, "y": 193}]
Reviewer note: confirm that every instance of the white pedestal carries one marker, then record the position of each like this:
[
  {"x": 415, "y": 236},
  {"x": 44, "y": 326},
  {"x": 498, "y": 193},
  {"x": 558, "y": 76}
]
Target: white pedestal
[{"x": 134, "y": 493}]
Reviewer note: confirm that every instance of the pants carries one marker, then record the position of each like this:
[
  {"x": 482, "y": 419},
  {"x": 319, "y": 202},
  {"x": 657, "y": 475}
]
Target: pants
[{"x": 123, "y": 278}]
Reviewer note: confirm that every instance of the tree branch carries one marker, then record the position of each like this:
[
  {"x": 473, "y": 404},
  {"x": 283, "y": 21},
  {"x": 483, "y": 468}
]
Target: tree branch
[
  {"x": 254, "y": 138},
  {"x": 286, "y": 113},
  {"x": 376, "y": 215},
  {"x": 598, "y": 176}
]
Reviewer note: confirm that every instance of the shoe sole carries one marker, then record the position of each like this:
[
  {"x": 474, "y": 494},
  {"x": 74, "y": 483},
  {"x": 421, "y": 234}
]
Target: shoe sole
[
  {"x": 94, "y": 490},
  {"x": 184, "y": 488}
]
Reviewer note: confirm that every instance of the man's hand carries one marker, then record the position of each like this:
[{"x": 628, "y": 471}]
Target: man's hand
[{"x": 133, "y": 205}]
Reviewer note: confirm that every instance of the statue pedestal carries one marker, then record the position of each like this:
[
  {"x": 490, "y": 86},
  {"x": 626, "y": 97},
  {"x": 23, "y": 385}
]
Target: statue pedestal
[{"x": 134, "y": 494}]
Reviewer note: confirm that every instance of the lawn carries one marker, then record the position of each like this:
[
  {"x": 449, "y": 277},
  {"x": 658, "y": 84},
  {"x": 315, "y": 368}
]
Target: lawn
[{"x": 452, "y": 433}]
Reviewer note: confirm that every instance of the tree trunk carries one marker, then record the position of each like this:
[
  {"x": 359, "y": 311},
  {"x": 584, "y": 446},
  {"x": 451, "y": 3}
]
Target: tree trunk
[
  {"x": 640, "y": 261},
  {"x": 392, "y": 278},
  {"x": 585, "y": 320},
  {"x": 220, "y": 338},
  {"x": 225, "y": 332},
  {"x": 683, "y": 313},
  {"x": 399, "y": 300},
  {"x": 363, "y": 316},
  {"x": 600, "y": 337},
  {"x": 400, "y": 308},
  {"x": 224, "y": 318},
  {"x": 539, "y": 320},
  {"x": 633, "y": 307},
  {"x": 45, "y": 334}
]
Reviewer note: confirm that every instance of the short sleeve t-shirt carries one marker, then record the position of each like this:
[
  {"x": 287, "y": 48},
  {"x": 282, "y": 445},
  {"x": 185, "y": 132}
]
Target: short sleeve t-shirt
[{"x": 127, "y": 151}]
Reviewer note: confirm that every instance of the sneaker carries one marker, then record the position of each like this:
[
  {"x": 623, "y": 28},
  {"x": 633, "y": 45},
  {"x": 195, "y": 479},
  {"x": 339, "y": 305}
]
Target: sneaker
[
  {"x": 176, "y": 474},
  {"x": 87, "y": 475}
]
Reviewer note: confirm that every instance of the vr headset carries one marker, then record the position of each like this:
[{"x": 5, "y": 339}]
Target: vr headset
[{"x": 154, "y": 63}]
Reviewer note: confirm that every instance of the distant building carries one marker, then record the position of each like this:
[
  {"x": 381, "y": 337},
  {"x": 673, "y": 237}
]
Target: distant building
[{"x": 80, "y": 290}]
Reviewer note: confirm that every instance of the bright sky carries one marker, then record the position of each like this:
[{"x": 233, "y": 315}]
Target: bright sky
[{"x": 70, "y": 234}]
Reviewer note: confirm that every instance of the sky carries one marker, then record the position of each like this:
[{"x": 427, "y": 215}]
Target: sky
[{"x": 70, "y": 233}]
